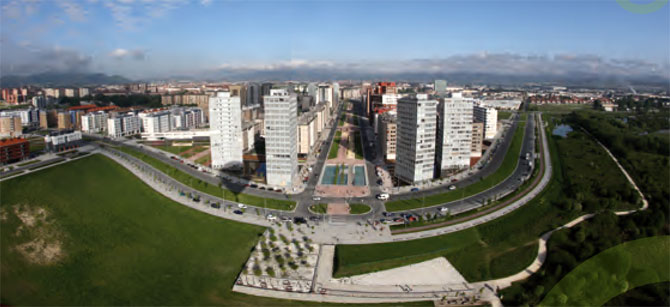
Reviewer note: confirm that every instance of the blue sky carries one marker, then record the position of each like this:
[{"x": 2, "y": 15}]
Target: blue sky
[{"x": 153, "y": 38}]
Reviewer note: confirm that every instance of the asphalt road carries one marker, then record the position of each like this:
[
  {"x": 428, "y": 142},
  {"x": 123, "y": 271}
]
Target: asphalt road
[{"x": 305, "y": 198}]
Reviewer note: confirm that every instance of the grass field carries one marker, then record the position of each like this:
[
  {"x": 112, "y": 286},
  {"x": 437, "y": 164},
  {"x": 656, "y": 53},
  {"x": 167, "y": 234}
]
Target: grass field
[
  {"x": 492, "y": 250},
  {"x": 504, "y": 171},
  {"x": 559, "y": 108},
  {"x": 205, "y": 187},
  {"x": 114, "y": 241},
  {"x": 504, "y": 114},
  {"x": 358, "y": 208},
  {"x": 203, "y": 160},
  {"x": 335, "y": 146},
  {"x": 612, "y": 272}
]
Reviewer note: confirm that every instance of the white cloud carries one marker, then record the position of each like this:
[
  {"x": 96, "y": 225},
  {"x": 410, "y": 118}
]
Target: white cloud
[
  {"x": 121, "y": 54},
  {"x": 206, "y": 2}
]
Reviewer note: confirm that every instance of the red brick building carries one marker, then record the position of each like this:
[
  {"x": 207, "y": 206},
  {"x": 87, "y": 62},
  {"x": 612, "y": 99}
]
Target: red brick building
[{"x": 14, "y": 149}]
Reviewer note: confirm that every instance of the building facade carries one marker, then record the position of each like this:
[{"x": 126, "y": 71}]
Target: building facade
[
  {"x": 388, "y": 135},
  {"x": 124, "y": 125},
  {"x": 94, "y": 122},
  {"x": 455, "y": 133},
  {"x": 488, "y": 116},
  {"x": 225, "y": 125},
  {"x": 14, "y": 149},
  {"x": 281, "y": 149},
  {"x": 10, "y": 126},
  {"x": 417, "y": 130}
]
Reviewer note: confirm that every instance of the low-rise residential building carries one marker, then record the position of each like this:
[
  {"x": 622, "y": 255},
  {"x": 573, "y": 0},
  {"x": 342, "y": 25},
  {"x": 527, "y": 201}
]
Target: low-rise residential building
[
  {"x": 10, "y": 126},
  {"x": 124, "y": 125},
  {"x": 29, "y": 117},
  {"x": 94, "y": 122},
  {"x": 156, "y": 120},
  {"x": 63, "y": 140},
  {"x": 14, "y": 149}
]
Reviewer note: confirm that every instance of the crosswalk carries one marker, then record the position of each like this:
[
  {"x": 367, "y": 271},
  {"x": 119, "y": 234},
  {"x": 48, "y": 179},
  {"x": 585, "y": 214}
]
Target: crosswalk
[{"x": 337, "y": 220}]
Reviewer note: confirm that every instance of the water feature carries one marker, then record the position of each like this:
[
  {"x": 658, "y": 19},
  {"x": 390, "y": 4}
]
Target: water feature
[
  {"x": 335, "y": 174},
  {"x": 562, "y": 130},
  {"x": 359, "y": 175}
]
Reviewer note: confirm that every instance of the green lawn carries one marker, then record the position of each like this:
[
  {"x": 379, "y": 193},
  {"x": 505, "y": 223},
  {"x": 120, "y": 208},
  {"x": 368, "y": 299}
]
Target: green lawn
[
  {"x": 335, "y": 146},
  {"x": 612, "y": 272},
  {"x": 203, "y": 160},
  {"x": 319, "y": 208},
  {"x": 358, "y": 208},
  {"x": 205, "y": 187},
  {"x": 559, "y": 108},
  {"x": 504, "y": 171},
  {"x": 122, "y": 243},
  {"x": 504, "y": 114},
  {"x": 28, "y": 163}
]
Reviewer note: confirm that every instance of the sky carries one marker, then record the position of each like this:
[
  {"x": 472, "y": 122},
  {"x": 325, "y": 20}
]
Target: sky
[{"x": 162, "y": 38}]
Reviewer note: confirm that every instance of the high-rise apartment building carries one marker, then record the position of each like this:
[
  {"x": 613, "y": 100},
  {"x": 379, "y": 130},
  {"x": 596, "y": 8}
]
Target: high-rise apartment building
[
  {"x": 225, "y": 125},
  {"x": 281, "y": 149},
  {"x": 417, "y": 130},
  {"x": 489, "y": 116},
  {"x": 455, "y": 133},
  {"x": 64, "y": 120}
]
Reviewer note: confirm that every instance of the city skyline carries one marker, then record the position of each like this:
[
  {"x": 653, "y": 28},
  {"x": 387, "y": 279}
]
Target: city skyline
[{"x": 140, "y": 39}]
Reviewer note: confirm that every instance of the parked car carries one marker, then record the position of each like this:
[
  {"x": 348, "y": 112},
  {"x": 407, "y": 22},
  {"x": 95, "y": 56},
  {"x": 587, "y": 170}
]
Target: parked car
[
  {"x": 299, "y": 220},
  {"x": 215, "y": 205},
  {"x": 242, "y": 206},
  {"x": 253, "y": 185},
  {"x": 415, "y": 190},
  {"x": 444, "y": 209},
  {"x": 316, "y": 198},
  {"x": 314, "y": 218},
  {"x": 399, "y": 220},
  {"x": 238, "y": 212},
  {"x": 386, "y": 213},
  {"x": 452, "y": 187},
  {"x": 271, "y": 217},
  {"x": 286, "y": 219}
]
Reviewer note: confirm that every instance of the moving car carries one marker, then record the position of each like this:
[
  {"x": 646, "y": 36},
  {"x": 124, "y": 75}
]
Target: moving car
[
  {"x": 238, "y": 212},
  {"x": 452, "y": 187},
  {"x": 383, "y": 196},
  {"x": 316, "y": 198},
  {"x": 415, "y": 190},
  {"x": 444, "y": 209}
]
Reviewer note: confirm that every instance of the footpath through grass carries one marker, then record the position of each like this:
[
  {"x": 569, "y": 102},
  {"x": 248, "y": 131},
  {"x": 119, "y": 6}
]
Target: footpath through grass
[
  {"x": 505, "y": 170},
  {"x": 205, "y": 187},
  {"x": 612, "y": 272}
]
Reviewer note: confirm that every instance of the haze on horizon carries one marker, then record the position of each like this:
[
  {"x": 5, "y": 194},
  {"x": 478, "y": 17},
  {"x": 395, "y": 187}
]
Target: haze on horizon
[{"x": 163, "y": 38}]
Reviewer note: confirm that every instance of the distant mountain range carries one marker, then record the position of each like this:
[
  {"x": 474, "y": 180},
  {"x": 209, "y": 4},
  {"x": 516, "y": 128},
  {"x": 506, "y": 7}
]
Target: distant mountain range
[
  {"x": 577, "y": 79},
  {"x": 57, "y": 79}
]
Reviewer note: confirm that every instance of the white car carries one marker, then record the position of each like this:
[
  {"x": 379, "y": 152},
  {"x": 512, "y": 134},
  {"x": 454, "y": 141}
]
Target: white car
[
  {"x": 242, "y": 206},
  {"x": 444, "y": 209},
  {"x": 271, "y": 217},
  {"x": 452, "y": 187},
  {"x": 383, "y": 196},
  {"x": 316, "y": 198}
]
